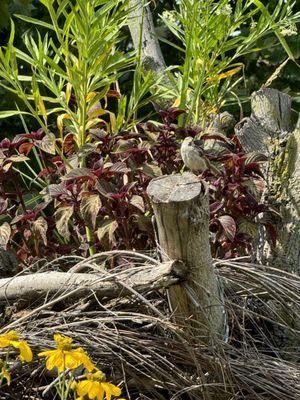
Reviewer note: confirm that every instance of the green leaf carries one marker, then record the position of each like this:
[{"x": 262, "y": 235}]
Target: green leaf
[
  {"x": 34, "y": 21},
  {"x": 12, "y": 113},
  {"x": 271, "y": 21}
]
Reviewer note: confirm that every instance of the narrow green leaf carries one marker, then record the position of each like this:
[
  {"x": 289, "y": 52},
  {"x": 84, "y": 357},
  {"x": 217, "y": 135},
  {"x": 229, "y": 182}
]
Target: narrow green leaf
[
  {"x": 12, "y": 113},
  {"x": 34, "y": 21},
  {"x": 275, "y": 28}
]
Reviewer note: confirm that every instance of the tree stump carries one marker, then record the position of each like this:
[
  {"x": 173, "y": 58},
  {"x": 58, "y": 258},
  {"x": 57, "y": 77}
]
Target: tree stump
[
  {"x": 181, "y": 210},
  {"x": 268, "y": 130}
]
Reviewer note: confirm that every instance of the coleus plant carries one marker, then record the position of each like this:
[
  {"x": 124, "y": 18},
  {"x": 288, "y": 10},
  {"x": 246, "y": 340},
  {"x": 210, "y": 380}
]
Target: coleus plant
[
  {"x": 78, "y": 184},
  {"x": 49, "y": 215}
]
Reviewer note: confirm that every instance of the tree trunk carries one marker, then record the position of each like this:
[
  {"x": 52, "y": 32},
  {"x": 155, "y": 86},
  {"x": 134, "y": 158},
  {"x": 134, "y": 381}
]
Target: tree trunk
[
  {"x": 181, "y": 210},
  {"x": 268, "y": 131},
  {"x": 141, "y": 19}
]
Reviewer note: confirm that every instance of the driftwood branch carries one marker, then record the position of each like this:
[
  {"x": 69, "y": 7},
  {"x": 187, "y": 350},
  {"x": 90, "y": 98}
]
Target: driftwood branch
[
  {"x": 180, "y": 204},
  {"x": 106, "y": 285}
]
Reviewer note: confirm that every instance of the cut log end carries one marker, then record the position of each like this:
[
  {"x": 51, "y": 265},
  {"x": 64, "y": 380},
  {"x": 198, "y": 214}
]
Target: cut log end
[{"x": 175, "y": 188}]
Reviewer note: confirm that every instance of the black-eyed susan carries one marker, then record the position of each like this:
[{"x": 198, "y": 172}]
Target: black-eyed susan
[
  {"x": 11, "y": 339},
  {"x": 94, "y": 387},
  {"x": 64, "y": 357}
]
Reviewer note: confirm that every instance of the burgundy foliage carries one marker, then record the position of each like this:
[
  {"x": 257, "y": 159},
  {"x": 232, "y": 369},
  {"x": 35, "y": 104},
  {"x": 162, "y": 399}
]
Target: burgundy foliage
[{"x": 118, "y": 168}]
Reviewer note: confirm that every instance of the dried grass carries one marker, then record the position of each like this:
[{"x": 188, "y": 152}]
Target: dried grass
[{"x": 135, "y": 342}]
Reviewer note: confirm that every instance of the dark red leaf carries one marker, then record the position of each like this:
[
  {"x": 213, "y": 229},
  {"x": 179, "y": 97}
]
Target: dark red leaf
[{"x": 25, "y": 148}]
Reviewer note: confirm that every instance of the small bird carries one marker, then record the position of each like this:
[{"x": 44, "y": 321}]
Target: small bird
[{"x": 194, "y": 158}]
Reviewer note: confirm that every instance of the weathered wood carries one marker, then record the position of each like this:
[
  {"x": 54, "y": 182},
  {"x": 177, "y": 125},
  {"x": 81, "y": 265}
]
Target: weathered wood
[
  {"x": 180, "y": 204},
  {"x": 268, "y": 130},
  {"x": 107, "y": 285},
  {"x": 143, "y": 34}
]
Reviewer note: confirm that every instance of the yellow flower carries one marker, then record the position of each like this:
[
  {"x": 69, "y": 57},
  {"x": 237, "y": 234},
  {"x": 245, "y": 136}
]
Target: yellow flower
[
  {"x": 64, "y": 357},
  {"x": 95, "y": 387},
  {"x": 11, "y": 338},
  {"x": 5, "y": 374}
]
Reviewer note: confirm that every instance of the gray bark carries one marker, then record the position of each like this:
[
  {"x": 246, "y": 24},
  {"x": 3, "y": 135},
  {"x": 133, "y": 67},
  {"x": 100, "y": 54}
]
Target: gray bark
[
  {"x": 107, "y": 285},
  {"x": 180, "y": 204},
  {"x": 268, "y": 131},
  {"x": 140, "y": 18}
]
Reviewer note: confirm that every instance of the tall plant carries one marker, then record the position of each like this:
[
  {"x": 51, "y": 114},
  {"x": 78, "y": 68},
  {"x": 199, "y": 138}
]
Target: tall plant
[
  {"x": 211, "y": 39},
  {"x": 72, "y": 69},
  {"x": 74, "y": 66}
]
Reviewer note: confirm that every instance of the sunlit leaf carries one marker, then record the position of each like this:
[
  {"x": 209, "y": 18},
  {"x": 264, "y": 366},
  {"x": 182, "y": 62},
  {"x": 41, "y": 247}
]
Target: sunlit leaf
[
  {"x": 77, "y": 173},
  {"x": 47, "y": 144},
  {"x": 138, "y": 202},
  {"x": 60, "y": 123},
  {"x": 107, "y": 227},
  {"x": 224, "y": 75},
  {"x": 62, "y": 216},
  {"x": 5, "y": 232},
  {"x": 39, "y": 228},
  {"x": 228, "y": 225},
  {"x": 12, "y": 113},
  {"x": 89, "y": 208}
]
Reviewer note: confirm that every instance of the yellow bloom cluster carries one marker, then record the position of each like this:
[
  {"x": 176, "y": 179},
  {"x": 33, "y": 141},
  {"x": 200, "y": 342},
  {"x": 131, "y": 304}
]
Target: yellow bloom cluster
[
  {"x": 64, "y": 357},
  {"x": 7, "y": 341},
  {"x": 11, "y": 339},
  {"x": 95, "y": 387}
]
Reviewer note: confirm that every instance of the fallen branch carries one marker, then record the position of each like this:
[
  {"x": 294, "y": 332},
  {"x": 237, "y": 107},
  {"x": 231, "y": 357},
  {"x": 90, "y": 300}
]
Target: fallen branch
[{"x": 104, "y": 284}]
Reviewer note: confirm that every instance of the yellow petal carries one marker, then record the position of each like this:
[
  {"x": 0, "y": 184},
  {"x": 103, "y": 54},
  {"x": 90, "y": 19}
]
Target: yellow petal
[
  {"x": 41, "y": 107},
  {"x": 111, "y": 390},
  {"x": 224, "y": 74},
  {"x": 54, "y": 358},
  {"x": 25, "y": 351},
  {"x": 60, "y": 126},
  {"x": 5, "y": 374},
  {"x": 90, "y": 96},
  {"x": 72, "y": 361},
  {"x": 82, "y": 387},
  {"x": 68, "y": 92},
  {"x": 96, "y": 390},
  {"x": 61, "y": 340},
  {"x": 5, "y": 340},
  {"x": 46, "y": 353},
  {"x": 83, "y": 359},
  {"x": 12, "y": 335},
  {"x": 176, "y": 103}
]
